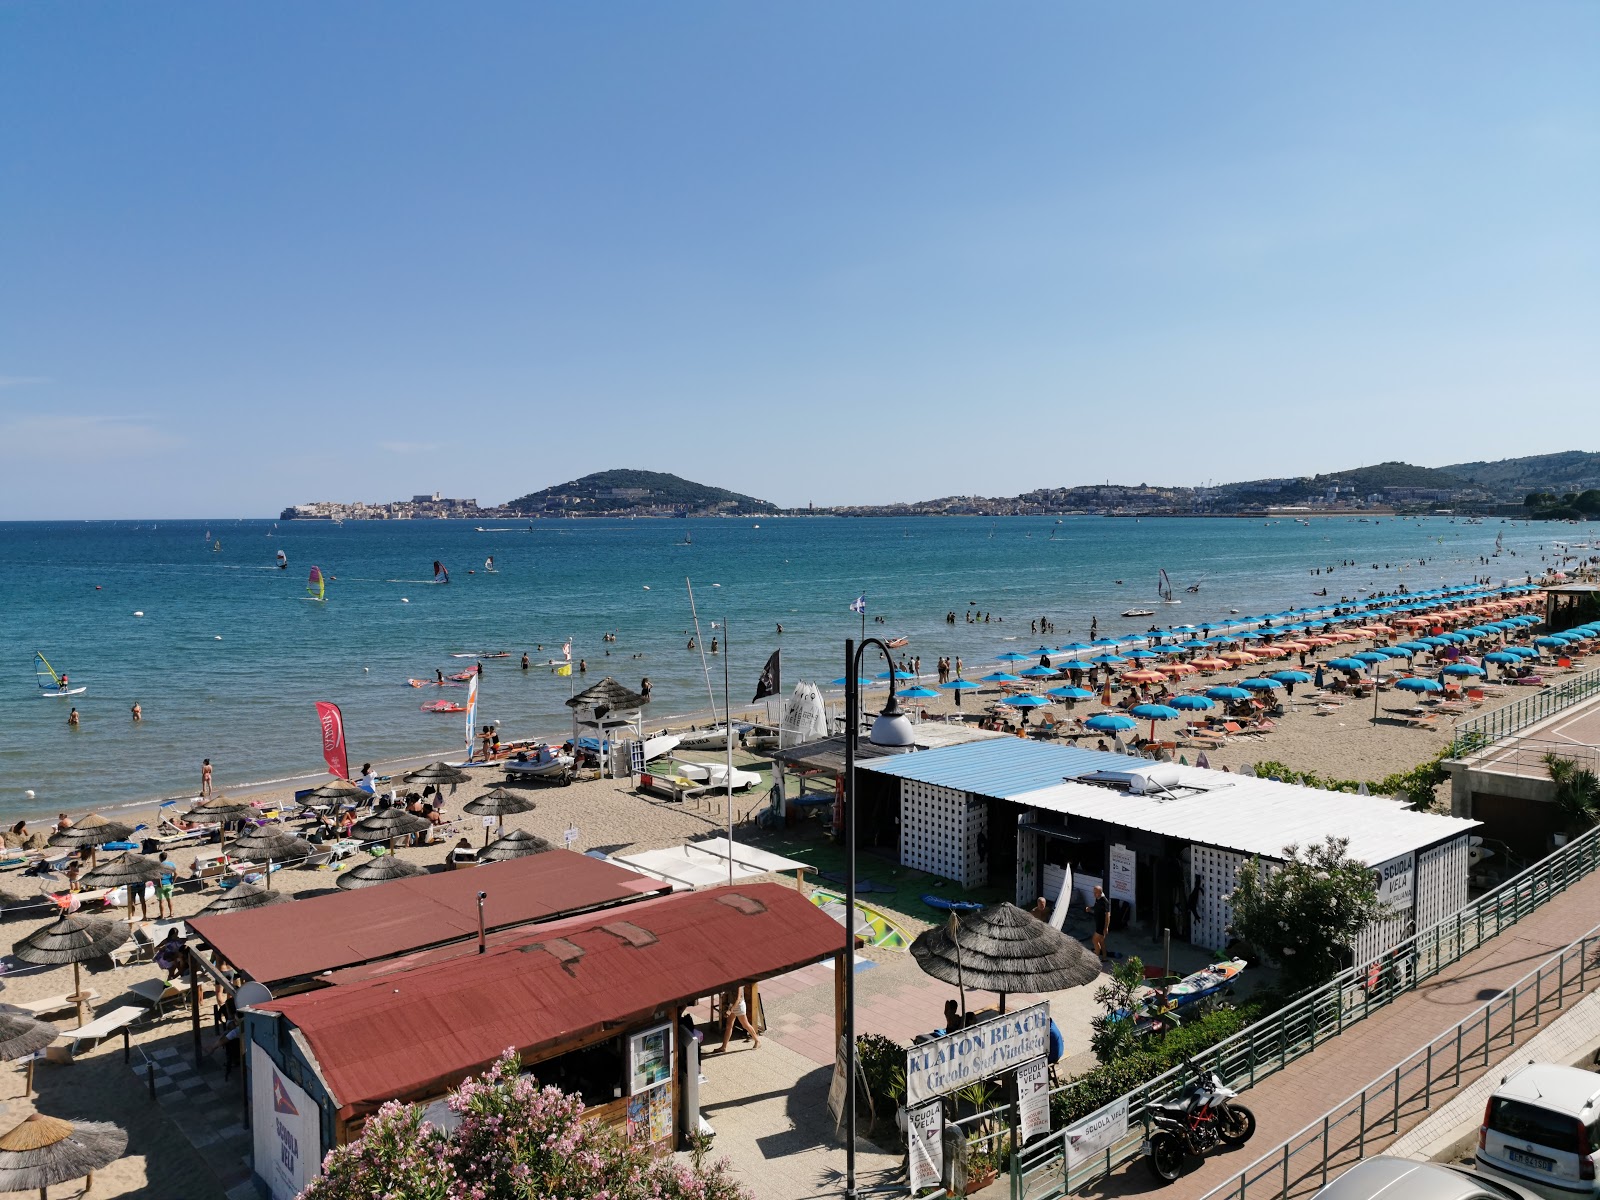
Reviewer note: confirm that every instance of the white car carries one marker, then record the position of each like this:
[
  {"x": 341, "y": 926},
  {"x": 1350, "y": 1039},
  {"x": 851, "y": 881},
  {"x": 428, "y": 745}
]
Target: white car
[
  {"x": 1541, "y": 1129},
  {"x": 1388, "y": 1178}
]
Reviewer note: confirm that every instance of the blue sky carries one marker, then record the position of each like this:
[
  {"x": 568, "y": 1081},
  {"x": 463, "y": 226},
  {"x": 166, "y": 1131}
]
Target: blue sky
[{"x": 260, "y": 254}]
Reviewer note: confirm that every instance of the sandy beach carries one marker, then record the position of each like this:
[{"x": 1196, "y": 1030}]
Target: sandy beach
[{"x": 610, "y": 816}]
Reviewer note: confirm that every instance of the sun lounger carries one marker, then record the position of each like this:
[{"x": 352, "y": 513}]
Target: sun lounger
[
  {"x": 156, "y": 993},
  {"x": 105, "y": 1025},
  {"x": 52, "y": 1004}
]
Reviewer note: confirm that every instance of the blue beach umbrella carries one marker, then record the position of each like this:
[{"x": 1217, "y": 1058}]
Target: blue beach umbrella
[
  {"x": 1414, "y": 647},
  {"x": 1011, "y": 656},
  {"x": 1108, "y": 658},
  {"x": 1372, "y": 656},
  {"x": 959, "y": 685},
  {"x": 1416, "y": 683},
  {"x": 1227, "y": 693},
  {"x": 1073, "y": 648},
  {"x": 918, "y": 693},
  {"x": 1464, "y": 669},
  {"x": 1291, "y": 677},
  {"x": 1025, "y": 701},
  {"x": 1038, "y": 650},
  {"x": 841, "y": 681},
  {"x": 1001, "y": 677},
  {"x": 1109, "y": 723},
  {"x": 1154, "y": 713},
  {"x": 1190, "y": 703},
  {"x": 1141, "y": 654},
  {"x": 897, "y": 674},
  {"x": 1551, "y": 640},
  {"x": 1190, "y": 646},
  {"x": 1071, "y": 693},
  {"x": 1104, "y": 642},
  {"x": 1038, "y": 673},
  {"x": 1260, "y": 685},
  {"x": 1502, "y": 657}
]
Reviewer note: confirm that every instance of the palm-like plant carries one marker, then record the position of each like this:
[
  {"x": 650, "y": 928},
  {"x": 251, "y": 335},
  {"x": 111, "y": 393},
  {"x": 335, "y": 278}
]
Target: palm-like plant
[{"x": 1577, "y": 790}]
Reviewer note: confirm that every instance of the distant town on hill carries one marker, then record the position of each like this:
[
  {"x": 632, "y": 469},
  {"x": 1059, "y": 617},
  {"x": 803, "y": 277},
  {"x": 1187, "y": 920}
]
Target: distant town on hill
[{"x": 1565, "y": 485}]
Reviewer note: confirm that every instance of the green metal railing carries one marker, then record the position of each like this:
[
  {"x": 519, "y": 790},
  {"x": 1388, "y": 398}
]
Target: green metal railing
[
  {"x": 1039, "y": 1171},
  {"x": 1478, "y": 732},
  {"x": 1340, "y": 1137}
]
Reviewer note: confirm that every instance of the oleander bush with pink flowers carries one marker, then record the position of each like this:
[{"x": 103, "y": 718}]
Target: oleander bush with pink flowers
[{"x": 516, "y": 1141}]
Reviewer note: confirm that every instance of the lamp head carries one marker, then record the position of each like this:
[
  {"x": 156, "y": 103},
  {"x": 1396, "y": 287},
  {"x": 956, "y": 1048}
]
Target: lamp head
[{"x": 892, "y": 731}]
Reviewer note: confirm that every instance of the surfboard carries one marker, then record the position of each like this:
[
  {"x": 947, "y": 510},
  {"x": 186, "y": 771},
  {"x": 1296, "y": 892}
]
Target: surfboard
[
  {"x": 884, "y": 932},
  {"x": 77, "y": 691}
]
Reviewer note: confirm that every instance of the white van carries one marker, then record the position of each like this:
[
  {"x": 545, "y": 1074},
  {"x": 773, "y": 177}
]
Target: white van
[{"x": 1541, "y": 1129}]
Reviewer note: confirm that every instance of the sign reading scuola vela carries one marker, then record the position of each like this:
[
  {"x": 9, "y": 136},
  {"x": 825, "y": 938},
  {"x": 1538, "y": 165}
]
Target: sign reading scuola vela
[{"x": 976, "y": 1053}]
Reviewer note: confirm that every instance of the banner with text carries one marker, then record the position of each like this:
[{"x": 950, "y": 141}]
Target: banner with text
[
  {"x": 287, "y": 1126},
  {"x": 333, "y": 751},
  {"x": 1097, "y": 1132},
  {"x": 1124, "y": 864},
  {"x": 979, "y": 1052},
  {"x": 925, "y": 1143},
  {"x": 1033, "y": 1098}
]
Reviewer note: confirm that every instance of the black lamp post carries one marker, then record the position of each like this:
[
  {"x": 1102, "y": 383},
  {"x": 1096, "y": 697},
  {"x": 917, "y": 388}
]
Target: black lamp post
[{"x": 891, "y": 732}]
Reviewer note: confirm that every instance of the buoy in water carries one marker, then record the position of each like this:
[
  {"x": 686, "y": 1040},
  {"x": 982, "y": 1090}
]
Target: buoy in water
[
  {"x": 138, "y": 614},
  {"x": 647, "y": 587},
  {"x": 405, "y": 600},
  {"x": 216, "y": 637},
  {"x": 28, "y": 795}
]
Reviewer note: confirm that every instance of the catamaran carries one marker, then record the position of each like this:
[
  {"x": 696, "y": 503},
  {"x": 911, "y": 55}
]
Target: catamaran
[
  {"x": 51, "y": 684},
  {"x": 316, "y": 586}
]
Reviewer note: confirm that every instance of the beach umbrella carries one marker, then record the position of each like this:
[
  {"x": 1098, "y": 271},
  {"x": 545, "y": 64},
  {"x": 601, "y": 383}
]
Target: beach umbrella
[
  {"x": 897, "y": 673},
  {"x": 386, "y": 824},
  {"x": 1038, "y": 650},
  {"x": 1143, "y": 677},
  {"x": 1025, "y": 701},
  {"x": 1013, "y": 656},
  {"x": 1076, "y": 664},
  {"x": 1551, "y": 640},
  {"x": 1188, "y": 646},
  {"x": 1461, "y": 668},
  {"x": 514, "y": 843},
  {"x": 1347, "y": 664},
  {"x": 1106, "y": 659},
  {"x": 1154, "y": 713},
  {"x": 1004, "y": 950},
  {"x": 1141, "y": 654},
  {"x": 22, "y": 1034},
  {"x": 1002, "y": 677},
  {"x": 1110, "y": 722},
  {"x": 1237, "y": 656},
  {"x": 338, "y": 791},
  {"x": 1190, "y": 703},
  {"x": 1211, "y": 664},
  {"x": 93, "y": 831},
  {"x": 75, "y": 940},
  {"x": 268, "y": 844},
  {"x": 438, "y": 774},
  {"x": 42, "y": 1151},
  {"x": 497, "y": 803},
  {"x": 1502, "y": 656},
  {"x": 1270, "y": 652},
  {"x": 1073, "y": 647},
  {"x": 128, "y": 870},
  {"x": 1260, "y": 685},
  {"x": 221, "y": 809},
  {"x": 1291, "y": 677},
  {"x": 926, "y": 693},
  {"x": 245, "y": 895},
  {"x": 842, "y": 680},
  {"x": 1372, "y": 656},
  {"x": 1417, "y": 683},
  {"x": 1177, "y": 669},
  {"x": 1227, "y": 693},
  {"x": 1071, "y": 693},
  {"x": 382, "y": 869},
  {"x": 1037, "y": 673},
  {"x": 959, "y": 685},
  {"x": 1522, "y": 651},
  {"x": 1414, "y": 647}
]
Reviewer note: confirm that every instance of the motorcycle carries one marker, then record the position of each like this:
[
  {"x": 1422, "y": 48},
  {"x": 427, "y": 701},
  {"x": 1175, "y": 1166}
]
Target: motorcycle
[{"x": 1201, "y": 1119}]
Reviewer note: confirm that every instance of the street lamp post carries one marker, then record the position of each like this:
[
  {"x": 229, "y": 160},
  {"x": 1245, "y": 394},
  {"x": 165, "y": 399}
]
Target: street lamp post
[{"x": 892, "y": 732}]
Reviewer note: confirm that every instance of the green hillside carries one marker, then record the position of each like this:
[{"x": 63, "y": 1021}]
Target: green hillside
[
  {"x": 627, "y": 491},
  {"x": 1567, "y": 471}
]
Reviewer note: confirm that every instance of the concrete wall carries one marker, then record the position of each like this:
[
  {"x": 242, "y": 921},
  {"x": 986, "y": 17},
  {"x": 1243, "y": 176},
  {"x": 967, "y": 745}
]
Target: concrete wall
[{"x": 1518, "y": 810}]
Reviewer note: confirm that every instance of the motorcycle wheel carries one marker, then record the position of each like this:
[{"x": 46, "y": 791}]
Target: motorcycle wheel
[
  {"x": 1165, "y": 1157},
  {"x": 1238, "y": 1125}
]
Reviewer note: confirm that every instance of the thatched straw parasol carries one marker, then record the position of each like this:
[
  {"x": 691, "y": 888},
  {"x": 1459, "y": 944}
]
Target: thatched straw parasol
[
  {"x": 498, "y": 803},
  {"x": 128, "y": 870},
  {"x": 93, "y": 831},
  {"x": 221, "y": 809},
  {"x": 269, "y": 844},
  {"x": 383, "y": 869},
  {"x": 23, "y": 1035},
  {"x": 339, "y": 791},
  {"x": 438, "y": 774},
  {"x": 1003, "y": 949},
  {"x": 73, "y": 940},
  {"x": 242, "y": 896},
  {"x": 45, "y": 1150},
  {"x": 386, "y": 824},
  {"x": 515, "y": 843}
]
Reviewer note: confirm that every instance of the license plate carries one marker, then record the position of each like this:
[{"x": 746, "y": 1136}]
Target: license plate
[{"x": 1537, "y": 1161}]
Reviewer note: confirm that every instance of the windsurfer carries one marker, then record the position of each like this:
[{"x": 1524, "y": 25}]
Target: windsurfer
[
  {"x": 63, "y": 683},
  {"x": 438, "y": 675}
]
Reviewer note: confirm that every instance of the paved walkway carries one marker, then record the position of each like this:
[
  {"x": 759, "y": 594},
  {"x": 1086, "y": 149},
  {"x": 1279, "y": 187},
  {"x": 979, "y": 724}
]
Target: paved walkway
[{"x": 1287, "y": 1102}]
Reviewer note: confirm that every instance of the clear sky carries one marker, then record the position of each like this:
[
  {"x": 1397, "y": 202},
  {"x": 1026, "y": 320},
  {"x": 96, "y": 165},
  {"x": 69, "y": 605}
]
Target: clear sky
[{"x": 252, "y": 255}]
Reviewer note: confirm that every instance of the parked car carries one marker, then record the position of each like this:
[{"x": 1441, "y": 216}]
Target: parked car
[
  {"x": 1388, "y": 1178},
  {"x": 1541, "y": 1130}
]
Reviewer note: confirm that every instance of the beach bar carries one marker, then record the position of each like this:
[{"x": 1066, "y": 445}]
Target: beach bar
[
  {"x": 592, "y": 1004},
  {"x": 1166, "y": 841}
]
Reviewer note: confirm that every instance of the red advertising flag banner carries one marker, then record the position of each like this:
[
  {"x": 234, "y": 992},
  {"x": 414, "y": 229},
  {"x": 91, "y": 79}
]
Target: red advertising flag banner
[{"x": 333, "y": 738}]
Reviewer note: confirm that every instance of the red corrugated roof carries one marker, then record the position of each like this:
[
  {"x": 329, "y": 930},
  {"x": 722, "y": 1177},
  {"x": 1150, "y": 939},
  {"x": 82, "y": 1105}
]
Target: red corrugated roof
[
  {"x": 412, "y": 1033},
  {"x": 324, "y": 933}
]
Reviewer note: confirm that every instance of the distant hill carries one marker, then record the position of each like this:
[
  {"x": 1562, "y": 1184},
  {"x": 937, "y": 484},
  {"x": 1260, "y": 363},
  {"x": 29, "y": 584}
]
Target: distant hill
[
  {"x": 1567, "y": 471},
  {"x": 628, "y": 492}
]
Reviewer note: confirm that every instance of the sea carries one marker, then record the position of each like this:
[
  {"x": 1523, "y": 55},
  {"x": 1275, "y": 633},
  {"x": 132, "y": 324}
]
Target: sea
[{"x": 225, "y": 654}]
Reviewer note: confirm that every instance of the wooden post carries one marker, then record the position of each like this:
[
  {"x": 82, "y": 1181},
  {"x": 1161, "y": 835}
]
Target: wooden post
[
  {"x": 194, "y": 1005},
  {"x": 841, "y": 964}
]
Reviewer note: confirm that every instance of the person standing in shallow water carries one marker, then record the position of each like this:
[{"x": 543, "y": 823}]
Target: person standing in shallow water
[{"x": 205, "y": 780}]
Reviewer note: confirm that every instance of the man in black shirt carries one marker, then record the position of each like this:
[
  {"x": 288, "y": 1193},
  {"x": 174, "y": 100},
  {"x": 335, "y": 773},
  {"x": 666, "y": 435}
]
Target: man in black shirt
[{"x": 1101, "y": 911}]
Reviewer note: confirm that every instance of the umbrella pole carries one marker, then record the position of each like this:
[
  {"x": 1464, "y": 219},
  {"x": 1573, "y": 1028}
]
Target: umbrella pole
[
  {"x": 77, "y": 992},
  {"x": 954, "y": 926}
]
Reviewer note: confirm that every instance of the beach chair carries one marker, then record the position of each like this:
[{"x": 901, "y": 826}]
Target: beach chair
[
  {"x": 53, "y": 1004},
  {"x": 157, "y": 993},
  {"x": 115, "y": 1021}
]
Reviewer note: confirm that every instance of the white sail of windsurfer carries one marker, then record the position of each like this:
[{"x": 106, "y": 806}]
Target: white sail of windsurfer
[{"x": 1164, "y": 588}]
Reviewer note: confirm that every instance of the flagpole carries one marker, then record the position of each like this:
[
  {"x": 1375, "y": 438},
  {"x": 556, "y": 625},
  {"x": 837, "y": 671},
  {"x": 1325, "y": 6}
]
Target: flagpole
[{"x": 727, "y": 707}]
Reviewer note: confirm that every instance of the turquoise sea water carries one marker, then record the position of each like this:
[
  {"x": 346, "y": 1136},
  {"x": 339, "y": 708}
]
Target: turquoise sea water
[{"x": 229, "y": 656}]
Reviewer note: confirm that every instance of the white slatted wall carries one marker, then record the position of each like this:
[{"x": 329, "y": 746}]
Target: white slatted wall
[
  {"x": 1029, "y": 845},
  {"x": 1220, "y": 870},
  {"x": 939, "y": 832},
  {"x": 1442, "y": 882}
]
